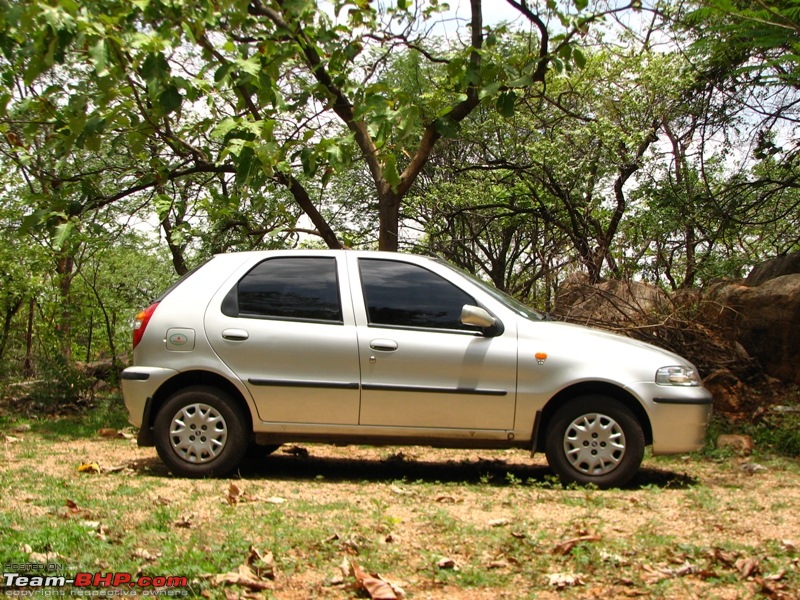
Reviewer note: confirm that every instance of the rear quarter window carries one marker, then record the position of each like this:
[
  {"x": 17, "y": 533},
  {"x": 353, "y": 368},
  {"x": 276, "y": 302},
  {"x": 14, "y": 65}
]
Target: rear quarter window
[{"x": 294, "y": 288}]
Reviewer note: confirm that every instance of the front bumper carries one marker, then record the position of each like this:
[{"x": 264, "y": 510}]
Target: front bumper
[{"x": 679, "y": 416}]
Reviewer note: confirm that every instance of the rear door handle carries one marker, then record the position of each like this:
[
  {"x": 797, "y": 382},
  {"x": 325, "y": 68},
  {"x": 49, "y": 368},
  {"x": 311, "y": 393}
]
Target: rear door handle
[
  {"x": 383, "y": 345},
  {"x": 235, "y": 335}
]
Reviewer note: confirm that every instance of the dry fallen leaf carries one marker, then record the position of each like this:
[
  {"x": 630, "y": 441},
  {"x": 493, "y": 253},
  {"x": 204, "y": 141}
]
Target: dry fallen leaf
[
  {"x": 401, "y": 492},
  {"x": 748, "y": 567},
  {"x": 499, "y": 522},
  {"x": 44, "y": 558},
  {"x": 184, "y": 522},
  {"x": 263, "y": 565},
  {"x": 98, "y": 530},
  {"x": 119, "y": 469},
  {"x": 92, "y": 467},
  {"x": 146, "y": 555},
  {"x": 346, "y": 567},
  {"x": 243, "y": 577},
  {"x": 445, "y": 499},
  {"x": 376, "y": 586},
  {"x": 234, "y": 494},
  {"x": 656, "y": 574},
  {"x": 255, "y": 574},
  {"x": 564, "y": 580},
  {"x": 726, "y": 558},
  {"x": 567, "y": 546},
  {"x": 107, "y": 432},
  {"x": 780, "y": 575}
]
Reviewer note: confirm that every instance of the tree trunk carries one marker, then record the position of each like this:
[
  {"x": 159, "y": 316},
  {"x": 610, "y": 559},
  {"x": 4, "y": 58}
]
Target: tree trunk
[
  {"x": 65, "y": 266},
  {"x": 7, "y": 318},
  {"x": 27, "y": 367},
  {"x": 389, "y": 213}
]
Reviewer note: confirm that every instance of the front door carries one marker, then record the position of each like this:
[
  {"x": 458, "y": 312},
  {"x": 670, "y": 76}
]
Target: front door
[{"x": 420, "y": 366}]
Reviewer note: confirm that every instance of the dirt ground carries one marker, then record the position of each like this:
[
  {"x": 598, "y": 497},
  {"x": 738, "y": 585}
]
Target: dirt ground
[{"x": 702, "y": 501}]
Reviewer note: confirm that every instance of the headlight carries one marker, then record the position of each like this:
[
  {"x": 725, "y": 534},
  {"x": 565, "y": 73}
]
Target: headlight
[{"x": 677, "y": 376}]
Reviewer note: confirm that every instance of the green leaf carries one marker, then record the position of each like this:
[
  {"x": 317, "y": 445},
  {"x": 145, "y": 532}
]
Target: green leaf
[
  {"x": 33, "y": 221},
  {"x": 170, "y": 99},
  {"x": 309, "y": 161},
  {"x": 506, "y": 103},
  {"x": 579, "y": 57},
  {"x": 335, "y": 154},
  {"x": 155, "y": 67},
  {"x": 251, "y": 66},
  {"x": 473, "y": 74},
  {"x": 490, "y": 90},
  {"x": 227, "y": 125},
  {"x": 4, "y": 100},
  {"x": 99, "y": 58},
  {"x": 522, "y": 82},
  {"x": 390, "y": 172},
  {"x": 162, "y": 204},
  {"x": 63, "y": 232},
  {"x": 222, "y": 72},
  {"x": 245, "y": 165},
  {"x": 447, "y": 127}
]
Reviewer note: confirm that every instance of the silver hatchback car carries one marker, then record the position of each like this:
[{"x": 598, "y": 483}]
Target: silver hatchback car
[{"x": 257, "y": 349}]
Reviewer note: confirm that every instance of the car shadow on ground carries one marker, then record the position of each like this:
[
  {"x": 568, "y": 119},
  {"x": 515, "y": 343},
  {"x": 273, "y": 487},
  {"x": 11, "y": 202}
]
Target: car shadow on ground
[{"x": 398, "y": 467}]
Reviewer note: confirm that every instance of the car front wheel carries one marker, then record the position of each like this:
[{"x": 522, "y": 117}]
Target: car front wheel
[
  {"x": 201, "y": 432},
  {"x": 594, "y": 440}
]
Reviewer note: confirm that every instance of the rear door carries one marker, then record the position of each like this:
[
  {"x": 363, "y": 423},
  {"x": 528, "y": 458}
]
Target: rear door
[
  {"x": 285, "y": 332},
  {"x": 420, "y": 367}
]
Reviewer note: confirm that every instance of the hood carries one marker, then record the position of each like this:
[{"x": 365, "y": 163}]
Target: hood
[{"x": 588, "y": 344}]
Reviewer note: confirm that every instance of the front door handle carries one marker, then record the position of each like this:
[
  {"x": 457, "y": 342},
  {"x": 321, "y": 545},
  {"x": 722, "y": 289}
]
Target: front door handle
[
  {"x": 383, "y": 345},
  {"x": 235, "y": 335}
]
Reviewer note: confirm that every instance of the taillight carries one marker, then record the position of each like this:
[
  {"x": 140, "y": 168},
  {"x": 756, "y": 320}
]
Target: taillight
[{"x": 140, "y": 323}]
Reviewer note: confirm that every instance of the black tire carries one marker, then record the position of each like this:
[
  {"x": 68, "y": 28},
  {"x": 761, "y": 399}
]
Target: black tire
[
  {"x": 201, "y": 432},
  {"x": 594, "y": 440}
]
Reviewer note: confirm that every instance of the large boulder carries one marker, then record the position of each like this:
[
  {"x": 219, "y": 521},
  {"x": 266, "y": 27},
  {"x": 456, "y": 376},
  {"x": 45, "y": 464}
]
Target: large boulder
[
  {"x": 612, "y": 302},
  {"x": 646, "y": 312},
  {"x": 782, "y": 265},
  {"x": 734, "y": 332},
  {"x": 765, "y": 319}
]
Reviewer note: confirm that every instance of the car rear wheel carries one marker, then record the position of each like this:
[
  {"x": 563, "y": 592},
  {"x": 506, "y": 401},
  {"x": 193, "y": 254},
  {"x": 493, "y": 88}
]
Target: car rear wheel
[
  {"x": 201, "y": 432},
  {"x": 594, "y": 440}
]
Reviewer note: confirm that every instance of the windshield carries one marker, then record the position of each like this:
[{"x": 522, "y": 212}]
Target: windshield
[{"x": 505, "y": 299}]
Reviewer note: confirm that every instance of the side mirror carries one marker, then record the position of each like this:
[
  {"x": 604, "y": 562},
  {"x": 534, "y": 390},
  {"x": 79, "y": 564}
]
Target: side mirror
[{"x": 474, "y": 315}]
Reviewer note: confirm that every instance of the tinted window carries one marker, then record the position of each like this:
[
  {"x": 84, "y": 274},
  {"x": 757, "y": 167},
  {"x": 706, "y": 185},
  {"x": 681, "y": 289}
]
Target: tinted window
[
  {"x": 408, "y": 295},
  {"x": 291, "y": 288}
]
